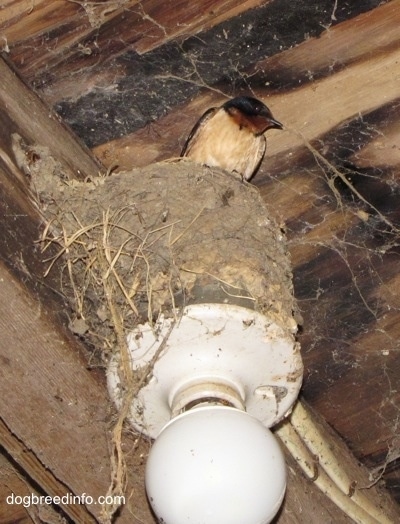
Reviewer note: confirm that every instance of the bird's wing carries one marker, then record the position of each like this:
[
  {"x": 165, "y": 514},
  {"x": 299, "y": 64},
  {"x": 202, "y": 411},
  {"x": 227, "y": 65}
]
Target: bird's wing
[
  {"x": 256, "y": 159},
  {"x": 194, "y": 133}
]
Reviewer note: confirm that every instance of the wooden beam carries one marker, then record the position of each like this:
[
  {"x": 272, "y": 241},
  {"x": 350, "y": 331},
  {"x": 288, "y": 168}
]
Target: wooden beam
[
  {"x": 58, "y": 437},
  {"x": 12, "y": 482},
  {"x": 26, "y": 114},
  {"x": 34, "y": 469},
  {"x": 54, "y": 411}
]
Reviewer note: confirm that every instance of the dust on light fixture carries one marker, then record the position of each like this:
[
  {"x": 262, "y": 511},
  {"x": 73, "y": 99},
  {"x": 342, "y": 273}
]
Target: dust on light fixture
[{"x": 224, "y": 376}]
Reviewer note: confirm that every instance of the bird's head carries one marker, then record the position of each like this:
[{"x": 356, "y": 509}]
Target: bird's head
[{"x": 250, "y": 113}]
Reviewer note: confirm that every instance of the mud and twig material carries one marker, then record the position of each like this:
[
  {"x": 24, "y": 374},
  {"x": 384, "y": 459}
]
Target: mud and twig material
[{"x": 169, "y": 235}]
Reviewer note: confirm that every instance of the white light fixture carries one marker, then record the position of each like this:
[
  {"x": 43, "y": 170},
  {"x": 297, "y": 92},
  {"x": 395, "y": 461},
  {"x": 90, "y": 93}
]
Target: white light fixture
[
  {"x": 215, "y": 465},
  {"x": 224, "y": 376}
]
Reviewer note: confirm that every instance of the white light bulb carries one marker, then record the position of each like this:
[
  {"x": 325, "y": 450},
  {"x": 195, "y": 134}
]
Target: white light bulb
[{"x": 215, "y": 465}]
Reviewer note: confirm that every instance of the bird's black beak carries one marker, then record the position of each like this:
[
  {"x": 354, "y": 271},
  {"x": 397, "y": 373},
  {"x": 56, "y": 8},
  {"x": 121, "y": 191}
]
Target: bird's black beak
[
  {"x": 274, "y": 124},
  {"x": 270, "y": 121}
]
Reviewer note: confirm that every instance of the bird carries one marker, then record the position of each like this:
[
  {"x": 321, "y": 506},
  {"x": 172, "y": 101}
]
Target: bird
[{"x": 231, "y": 136}]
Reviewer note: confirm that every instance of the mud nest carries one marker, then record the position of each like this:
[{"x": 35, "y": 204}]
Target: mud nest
[{"x": 137, "y": 244}]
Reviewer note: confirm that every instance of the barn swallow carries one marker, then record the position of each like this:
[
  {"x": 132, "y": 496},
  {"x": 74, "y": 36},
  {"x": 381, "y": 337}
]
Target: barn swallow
[{"x": 232, "y": 136}]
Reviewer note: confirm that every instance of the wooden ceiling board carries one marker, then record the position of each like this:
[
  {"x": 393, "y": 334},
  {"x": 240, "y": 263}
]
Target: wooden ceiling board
[
  {"x": 367, "y": 34},
  {"x": 43, "y": 34},
  {"x": 132, "y": 86},
  {"x": 140, "y": 89},
  {"x": 363, "y": 83}
]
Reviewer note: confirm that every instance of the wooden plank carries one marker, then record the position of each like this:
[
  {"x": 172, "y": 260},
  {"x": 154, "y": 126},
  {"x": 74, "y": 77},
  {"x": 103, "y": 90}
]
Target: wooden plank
[
  {"x": 59, "y": 438},
  {"x": 347, "y": 289},
  {"x": 383, "y": 150},
  {"x": 12, "y": 482},
  {"x": 87, "y": 34},
  {"x": 364, "y": 85},
  {"x": 31, "y": 118},
  {"x": 159, "y": 22},
  {"x": 60, "y": 434},
  {"x": 20, "y": 222},
  {"x": 369, "y": 34},
  {"x": 27, "y": 28},
  {"x": 21, "y": 19},
  {"x": 15, "y": 485},
  {"x": 59, "y": 404}
]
